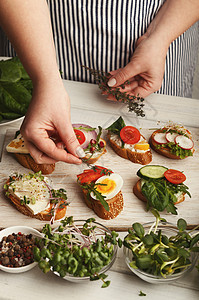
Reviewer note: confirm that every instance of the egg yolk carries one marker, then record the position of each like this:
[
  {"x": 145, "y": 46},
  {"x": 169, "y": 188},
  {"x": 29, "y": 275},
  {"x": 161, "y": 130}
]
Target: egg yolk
[
  {"x": 108, "y": 187},
  {"x": 142, "y": 146}
]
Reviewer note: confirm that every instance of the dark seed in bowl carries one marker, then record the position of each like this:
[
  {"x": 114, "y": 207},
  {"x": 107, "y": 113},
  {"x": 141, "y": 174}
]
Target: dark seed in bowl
[{"x": 16, "y": 250}]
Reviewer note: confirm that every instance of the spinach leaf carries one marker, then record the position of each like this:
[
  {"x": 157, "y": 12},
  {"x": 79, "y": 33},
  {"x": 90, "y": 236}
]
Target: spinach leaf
[
  {"x": 9, "y": 115},
  {"x": 9, "y": 71},
  {"x": 156, "y": 193},
  {"x": 17, "y": 91},
  {"x": 117, "y": 126},
  {"x": 7, "y": 101},
  {"x": 17, "y": 62}
]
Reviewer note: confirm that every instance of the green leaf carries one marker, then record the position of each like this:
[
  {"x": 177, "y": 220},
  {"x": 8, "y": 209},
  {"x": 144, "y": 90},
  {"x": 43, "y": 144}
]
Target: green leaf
[
  {"x": 9, "y": 71},
  {"x": 117, "y": 126},
  {"x": 106, "y": 284},
  {"x": 85, "y": 128},
  {"x": 142, "y": 294},
  {"x": 182, "y": 225},
  {"x": 8, "y": 102},
  {"x": 139, "y": 229},
  {"x": 18, "y": 92},
  {"x": 156, "y": 193},
  {"x": 194, "y": 240}
]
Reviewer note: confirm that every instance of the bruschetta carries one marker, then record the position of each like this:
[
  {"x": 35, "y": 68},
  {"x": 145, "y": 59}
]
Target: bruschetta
[
  {"x": 18, "y": 147},
  {"x": 129, "y": 143},
  {"x": 102, "y": 191},
  {"x": 91, "y": 142},
  {"x": 161, "y": 188},
  {"x": 33, "y": 196},
  {"x": 173, "y": 141}
]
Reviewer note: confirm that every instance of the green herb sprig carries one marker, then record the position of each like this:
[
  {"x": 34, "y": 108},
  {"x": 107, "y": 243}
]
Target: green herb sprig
[
  {"x": 156, "y": 253},
  {"x": 92, "y": 188},
  {"x": 134, "y": 103},
  {"x": 81, "y": 251}
]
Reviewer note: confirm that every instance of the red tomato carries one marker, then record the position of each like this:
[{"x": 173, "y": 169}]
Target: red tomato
[
  {"x": 174, "y": 176},
  {"x": 130, "y": 135},
  {"x": 80, "y": 136}
]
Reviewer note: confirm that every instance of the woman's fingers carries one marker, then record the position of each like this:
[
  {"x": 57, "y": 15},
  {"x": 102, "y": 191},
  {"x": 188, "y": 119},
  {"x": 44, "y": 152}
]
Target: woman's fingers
[
  {"x": 44, "y": 154},
  {"x": 45, "y": 150}
]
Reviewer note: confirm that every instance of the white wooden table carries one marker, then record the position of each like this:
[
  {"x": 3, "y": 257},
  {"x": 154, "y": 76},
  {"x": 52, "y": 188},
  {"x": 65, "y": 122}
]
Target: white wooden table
[{"x": 88, "y": 106}]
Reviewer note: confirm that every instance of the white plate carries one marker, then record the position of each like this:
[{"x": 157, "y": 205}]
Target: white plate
[
  {"x": 24, "y": 230},
  {"x": 8, "y": 122}
]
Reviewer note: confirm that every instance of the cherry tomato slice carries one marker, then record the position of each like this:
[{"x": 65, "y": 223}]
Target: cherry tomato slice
[
  {"x": 80, "y": 136},
  {"x": 130, "y": 135},
  {"x": 174, "y": 176}
]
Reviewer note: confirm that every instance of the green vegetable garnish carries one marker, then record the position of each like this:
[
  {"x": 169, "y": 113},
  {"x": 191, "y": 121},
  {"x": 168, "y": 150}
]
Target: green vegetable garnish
[
  {"x": 15, "y": 89},
  {"x": 158, "y": 254},
  {"x": 76, "y": 250}
]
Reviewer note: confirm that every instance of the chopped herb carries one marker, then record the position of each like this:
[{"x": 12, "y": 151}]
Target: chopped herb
[{"x": 142, "y": 294}]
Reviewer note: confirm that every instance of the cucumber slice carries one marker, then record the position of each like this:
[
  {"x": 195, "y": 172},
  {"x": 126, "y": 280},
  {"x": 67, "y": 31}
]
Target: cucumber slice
[{"x": 152, "y": 171}]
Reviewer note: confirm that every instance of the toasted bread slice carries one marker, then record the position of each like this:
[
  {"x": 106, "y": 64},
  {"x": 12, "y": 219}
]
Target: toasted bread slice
[
  {"x": 44, "y": 215},
  {"x": 163, "y": 151},
  {"x": 28, "y": 162},
  {"x": 138, "y": 193},
  {"x": 92, "y": 158},
  {"x": 52, "y": 212},
  {"x": 19, "y": 148},
  {"x": 142, "y": 158},
  {"x": 115, "y": 205}
]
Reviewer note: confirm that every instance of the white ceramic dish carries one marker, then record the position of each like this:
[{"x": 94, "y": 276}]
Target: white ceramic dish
[
  {"x": 8, "y": 122},
  {"x": 24, "y": 230}
]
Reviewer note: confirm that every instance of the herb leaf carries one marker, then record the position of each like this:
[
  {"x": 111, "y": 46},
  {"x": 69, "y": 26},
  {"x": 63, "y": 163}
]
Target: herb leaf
[{"x": 117, "y": 126}]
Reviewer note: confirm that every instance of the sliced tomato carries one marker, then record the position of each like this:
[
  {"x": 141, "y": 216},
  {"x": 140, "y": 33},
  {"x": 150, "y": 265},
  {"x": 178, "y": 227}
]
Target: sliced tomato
[
  {"x": 91, "y": 175},
  {"x": 174, "y": 176},
  {"x": 130, "y": 135},
  {"x": 80, "y": 136}
]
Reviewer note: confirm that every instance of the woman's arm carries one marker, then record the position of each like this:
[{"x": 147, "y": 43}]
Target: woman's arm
[
  {"x": 27, "y": 25},
  {"x": 146, "y": 68}
]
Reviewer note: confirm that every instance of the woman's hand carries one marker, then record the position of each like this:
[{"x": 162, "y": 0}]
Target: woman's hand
[
  {"x": 47, "y": 128},
  {"x": 145, "y": 70}
]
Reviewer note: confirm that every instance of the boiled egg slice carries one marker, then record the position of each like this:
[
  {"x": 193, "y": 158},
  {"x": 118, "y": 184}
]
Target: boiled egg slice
[{"x": 108, "y": 185}]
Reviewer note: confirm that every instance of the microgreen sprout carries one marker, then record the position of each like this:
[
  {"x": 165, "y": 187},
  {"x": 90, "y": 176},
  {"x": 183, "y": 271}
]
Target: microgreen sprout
[
  {"x": 156, "y": 253},
  {"x": 77, "y": 250}
]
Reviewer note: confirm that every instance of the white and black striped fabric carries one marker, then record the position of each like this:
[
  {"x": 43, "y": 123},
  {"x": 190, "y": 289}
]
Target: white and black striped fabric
[{"x": 101, "y": 34}]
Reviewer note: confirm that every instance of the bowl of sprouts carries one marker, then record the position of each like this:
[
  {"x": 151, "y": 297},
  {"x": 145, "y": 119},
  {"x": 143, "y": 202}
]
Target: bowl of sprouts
[
  {"x": 160, "y": 252},
  {"x": 77, "y": 250}
]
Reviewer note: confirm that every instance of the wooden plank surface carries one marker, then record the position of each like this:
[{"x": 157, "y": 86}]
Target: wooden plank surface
[{"x": 134, "y": 210}]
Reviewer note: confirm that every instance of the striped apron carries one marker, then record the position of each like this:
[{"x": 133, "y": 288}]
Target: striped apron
[{"x": 101, "y": 34}]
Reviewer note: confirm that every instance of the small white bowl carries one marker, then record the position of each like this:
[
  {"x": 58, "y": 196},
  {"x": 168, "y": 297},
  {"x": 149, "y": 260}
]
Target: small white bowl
[{"x": 24, "y": 230}]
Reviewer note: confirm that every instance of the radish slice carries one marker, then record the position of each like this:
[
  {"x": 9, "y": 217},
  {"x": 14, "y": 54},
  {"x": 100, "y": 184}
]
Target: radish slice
[
  {"x": 170, "y": 137},
  {"x": 159, "y": 138},
  {"x": 184, "y": 142},
  {"x": 88, "y": 132}
]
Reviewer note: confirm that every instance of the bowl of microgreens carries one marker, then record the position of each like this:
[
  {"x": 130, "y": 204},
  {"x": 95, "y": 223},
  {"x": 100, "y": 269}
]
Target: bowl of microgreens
[
  {"x": 160, "y": 252},
  {"x": 78, "y": 250}
]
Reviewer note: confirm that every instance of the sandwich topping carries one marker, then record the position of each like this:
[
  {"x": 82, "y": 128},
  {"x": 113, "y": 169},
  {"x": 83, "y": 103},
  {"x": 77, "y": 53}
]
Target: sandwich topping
[
  {"x": 35, "y": 192},
  {"x": 127, "y": 137},
  {"x": 18, "y": 145},
  {"x": 175, "y": 138},
  {"x": 162, "y": 187},
  {"x": 89, "y": 140}
]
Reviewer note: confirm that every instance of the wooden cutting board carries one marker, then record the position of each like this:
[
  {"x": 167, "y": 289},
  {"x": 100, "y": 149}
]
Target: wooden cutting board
[{"x": 134, "y": 210}]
